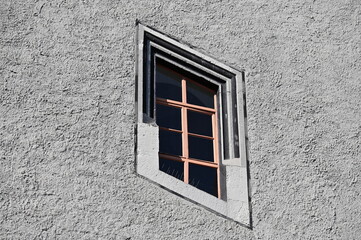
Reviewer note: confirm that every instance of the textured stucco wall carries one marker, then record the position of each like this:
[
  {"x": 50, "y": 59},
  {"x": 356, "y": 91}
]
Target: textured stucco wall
[{"x": 67, "y": 118}]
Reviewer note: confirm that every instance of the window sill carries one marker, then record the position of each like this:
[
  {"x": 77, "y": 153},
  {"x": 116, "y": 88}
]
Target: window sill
[{"x": 233, "y": 205}]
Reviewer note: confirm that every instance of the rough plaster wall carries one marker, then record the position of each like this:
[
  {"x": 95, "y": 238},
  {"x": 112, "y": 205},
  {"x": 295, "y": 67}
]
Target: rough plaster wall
[{"x": 67, "y": 118}]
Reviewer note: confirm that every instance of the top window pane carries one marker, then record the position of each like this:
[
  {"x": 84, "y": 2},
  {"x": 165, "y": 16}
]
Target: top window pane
[
  {"x": 168, "y": 84},
  {"x": 199, "y": 95}
]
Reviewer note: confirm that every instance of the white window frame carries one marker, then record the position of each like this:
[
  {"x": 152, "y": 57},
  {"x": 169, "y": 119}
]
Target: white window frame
[{"x": 234, "y": 203}]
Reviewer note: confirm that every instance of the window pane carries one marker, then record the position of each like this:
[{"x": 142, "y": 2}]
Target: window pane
[
  {"x": 168, "y": 84},
  {"x": 199, "y": 95},
  {"x": 169, "y": 117},
  {"x": 200, "y": 148},
  {"x": 170, "y": 142},
  {"x": 199, "y": 123},
  {"x": 173, "y": 168},
  {"x": 203, "y": 178}
]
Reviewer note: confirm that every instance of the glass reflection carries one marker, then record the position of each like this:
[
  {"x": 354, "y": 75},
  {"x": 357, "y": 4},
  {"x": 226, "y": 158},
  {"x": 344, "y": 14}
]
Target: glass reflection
[
  {"x": 173, "y": 168},
  {"x": 199, "y": 95},
  {"x": 168, "y": 84}
]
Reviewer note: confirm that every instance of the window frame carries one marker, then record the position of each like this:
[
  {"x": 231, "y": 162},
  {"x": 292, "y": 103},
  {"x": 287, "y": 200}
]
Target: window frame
[
  {"x": 234, "y": 202},
  {"x": 184, "y": 106}
]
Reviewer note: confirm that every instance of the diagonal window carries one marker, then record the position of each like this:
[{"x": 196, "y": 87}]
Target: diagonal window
[{"x": 191, "y": 125}]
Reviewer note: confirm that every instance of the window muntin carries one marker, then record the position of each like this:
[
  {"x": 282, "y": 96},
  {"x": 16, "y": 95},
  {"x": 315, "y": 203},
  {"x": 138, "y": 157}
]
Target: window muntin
[{"x": 193, "y": 144}]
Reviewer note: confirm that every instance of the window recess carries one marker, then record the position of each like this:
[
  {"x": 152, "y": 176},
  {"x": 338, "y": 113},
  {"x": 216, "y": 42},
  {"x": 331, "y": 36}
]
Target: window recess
[{"x": 191, "y": 136}]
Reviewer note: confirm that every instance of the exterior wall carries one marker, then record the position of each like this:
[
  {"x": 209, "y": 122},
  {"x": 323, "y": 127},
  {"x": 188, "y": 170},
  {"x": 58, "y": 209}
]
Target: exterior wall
[{"x": 67, "y": 118}]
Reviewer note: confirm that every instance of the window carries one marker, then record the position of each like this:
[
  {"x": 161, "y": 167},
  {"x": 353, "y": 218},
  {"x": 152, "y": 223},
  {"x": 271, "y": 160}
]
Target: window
[
  {"x": 191, "y": 125},
  {"x": 186, "y": 113}
]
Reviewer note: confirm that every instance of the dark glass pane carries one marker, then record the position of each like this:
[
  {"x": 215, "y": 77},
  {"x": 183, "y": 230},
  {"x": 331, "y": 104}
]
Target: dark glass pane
[
  {"x": 168, "y": 84},
  {"x": 203, "y": 178},
  {"x": 172, "y": 168},
  {"x": 169, "y": 117},
  {"x": 200, "y": 148},
  {"x": 199, "y": 95},
  {"x": 170, "y": 142},
  {"x": 199, "y": 123}
]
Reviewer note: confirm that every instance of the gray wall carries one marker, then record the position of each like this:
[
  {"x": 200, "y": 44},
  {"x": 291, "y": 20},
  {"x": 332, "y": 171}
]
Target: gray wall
[{"x": 67, "y": 118}]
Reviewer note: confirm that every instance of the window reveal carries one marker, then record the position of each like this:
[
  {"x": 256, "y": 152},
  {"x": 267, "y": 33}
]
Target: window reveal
[{"x": 186, "y": 113}]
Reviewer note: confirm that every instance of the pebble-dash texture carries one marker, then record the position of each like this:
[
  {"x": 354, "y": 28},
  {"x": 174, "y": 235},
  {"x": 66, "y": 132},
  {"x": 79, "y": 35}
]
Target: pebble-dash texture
[{"x": 67, "y": 118}]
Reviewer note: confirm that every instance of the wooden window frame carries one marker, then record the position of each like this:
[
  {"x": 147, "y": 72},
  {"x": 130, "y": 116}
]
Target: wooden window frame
[{"x": 184, "y": 107}]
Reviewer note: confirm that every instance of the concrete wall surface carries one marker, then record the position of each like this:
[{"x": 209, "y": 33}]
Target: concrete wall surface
[{"x": 67, "y": 90}]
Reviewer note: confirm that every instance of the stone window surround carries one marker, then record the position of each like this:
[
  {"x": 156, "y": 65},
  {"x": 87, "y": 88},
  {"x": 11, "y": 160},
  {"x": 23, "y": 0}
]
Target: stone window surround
[{"x": 235, "y": 201}]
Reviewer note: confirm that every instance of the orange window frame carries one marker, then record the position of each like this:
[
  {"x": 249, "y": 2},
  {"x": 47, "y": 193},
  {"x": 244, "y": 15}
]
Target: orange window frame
[{"x": 184, "y": 106}]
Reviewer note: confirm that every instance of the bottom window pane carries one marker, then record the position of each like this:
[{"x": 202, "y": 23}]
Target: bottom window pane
[
  {"x": 173, "y": 168},
  {"x": 203, "y": 178}
]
